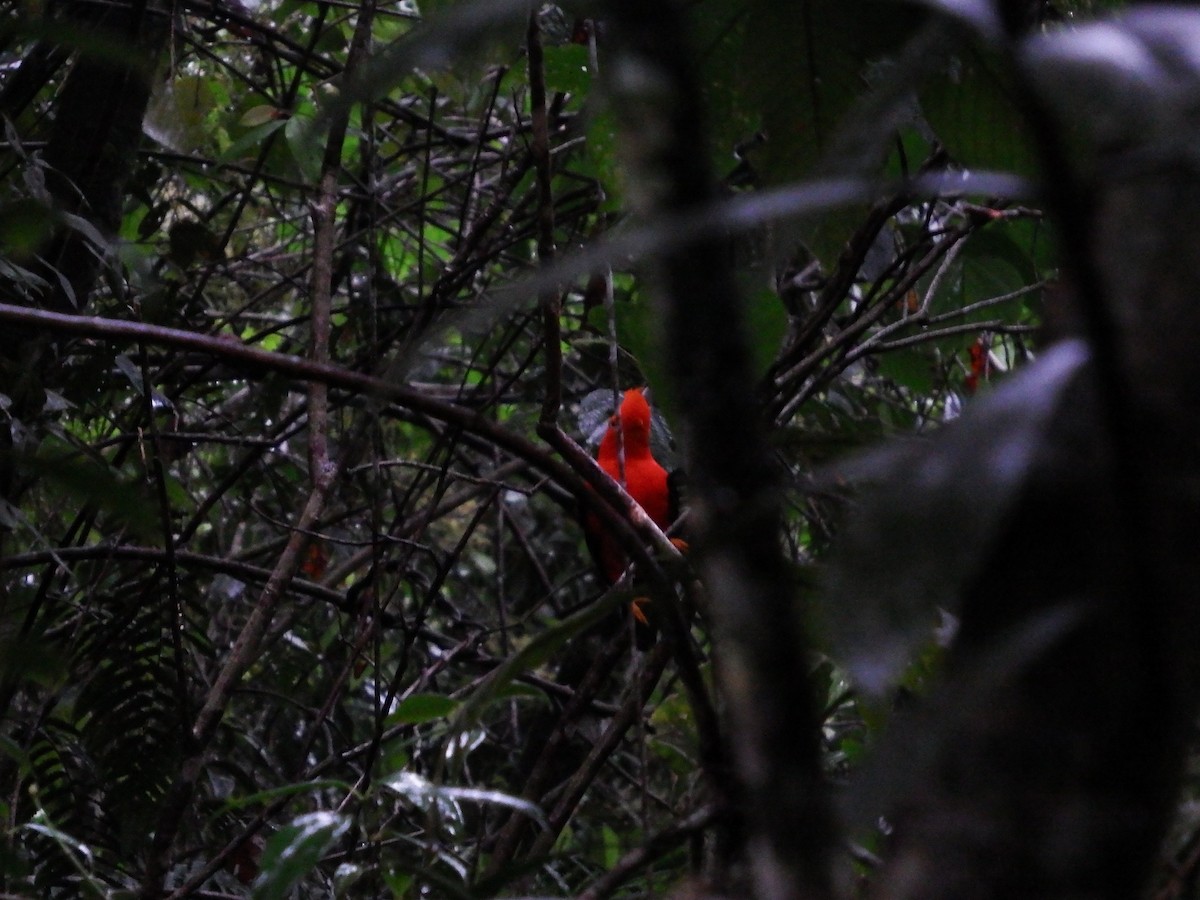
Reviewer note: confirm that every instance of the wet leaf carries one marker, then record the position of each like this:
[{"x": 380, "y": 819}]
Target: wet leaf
[{"x": 295, "y": 850}]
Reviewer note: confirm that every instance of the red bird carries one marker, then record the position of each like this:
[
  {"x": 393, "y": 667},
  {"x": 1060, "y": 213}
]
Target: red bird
[{"x": 625, "y": 455}]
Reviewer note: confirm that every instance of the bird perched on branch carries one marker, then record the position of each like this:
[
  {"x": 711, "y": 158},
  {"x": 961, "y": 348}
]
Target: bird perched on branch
[{"x": 626, "y": 456}]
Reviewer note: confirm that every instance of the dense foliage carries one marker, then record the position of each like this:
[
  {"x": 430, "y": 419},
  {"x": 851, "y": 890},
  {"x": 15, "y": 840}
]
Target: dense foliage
[{"x": 310, "y": 316}]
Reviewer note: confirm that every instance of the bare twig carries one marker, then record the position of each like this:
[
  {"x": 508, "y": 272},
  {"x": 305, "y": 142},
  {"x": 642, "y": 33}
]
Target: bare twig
[{"x": 655, "y": 846}]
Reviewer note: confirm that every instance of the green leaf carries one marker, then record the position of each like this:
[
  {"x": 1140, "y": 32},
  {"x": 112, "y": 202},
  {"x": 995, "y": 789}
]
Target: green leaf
[
  {"x": 599, "y": 158},
  {"x": 260, "y": 115},
  {"x": 426, "y": 795},
  {"x": 87, "y": 482},
  {"x": 675, "y": 759},
  {"x": 249, "y": 142},
  {"x": 767, "y": 321},
  {"x": 971, "y": 110},
  {"x": 910, "y": 367},
  {"x": 399, "y": 883},
  {"x": 422, "y": 708},
  {"x": 807, "y": 65},
  {"x": 76, "y": 848},
  {"x": 177, "y": 116},
  {"x": 993, "y": 265},
  {"x": 305, "y": 144},
  {"x": 24, "y": 226},
  {"x": 637, "y": 331},
  {"x": 294, "y": 851},
  {"x": 612, "y": 847},
  {"x": 719, "y": 30},
  {"x": 567, "y": 69}
]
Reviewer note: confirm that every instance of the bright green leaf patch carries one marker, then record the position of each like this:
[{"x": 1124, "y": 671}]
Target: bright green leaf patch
[
  {"x": 420, "y": 708},
  {"x": 567, "y": 68}
]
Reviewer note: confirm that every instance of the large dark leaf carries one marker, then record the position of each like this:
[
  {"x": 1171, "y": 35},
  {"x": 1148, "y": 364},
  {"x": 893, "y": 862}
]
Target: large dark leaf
[{"x": 927, "y": 516}]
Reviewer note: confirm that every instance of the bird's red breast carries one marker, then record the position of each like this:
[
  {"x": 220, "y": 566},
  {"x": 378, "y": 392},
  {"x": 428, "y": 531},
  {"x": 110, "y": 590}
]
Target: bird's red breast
[{"x": 625, "y": 455}]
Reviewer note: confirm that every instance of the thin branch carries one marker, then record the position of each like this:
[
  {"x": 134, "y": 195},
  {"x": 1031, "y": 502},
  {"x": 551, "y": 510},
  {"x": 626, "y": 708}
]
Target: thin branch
[
  {"x": 637, "y": 697},
  {"x": 550, "y": 299},
  {"x": 655, "y": 847}
]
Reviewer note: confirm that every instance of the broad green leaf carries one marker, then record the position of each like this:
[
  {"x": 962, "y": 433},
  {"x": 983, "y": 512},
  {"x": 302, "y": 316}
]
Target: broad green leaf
[
  {"x": 295, "y": 850},
  {"x": 567, "y": 69},
  {"x": 248, "y": 143},
  {"x": 421, "y": 708},
  {"x": 600, "y": 157},
  {"x": 637, "y": 332},
  {"x": 454, "y": 35},
  {"x": 808, "y": 64},
  {"x": 971, "y": 108},
  {"x": 305, "y": 144},
  {"x": 808, "y": 67},
  {"x": 767, "y": 322},
  {"x": 260, "y": 115},
  {"x": 719, "y": 34},
  {"x": 911, "y": 367},
  {"x": 399, "y": 883},
  {"x": 24, "y": 226},
  {"x": 993, "y": 265}
]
